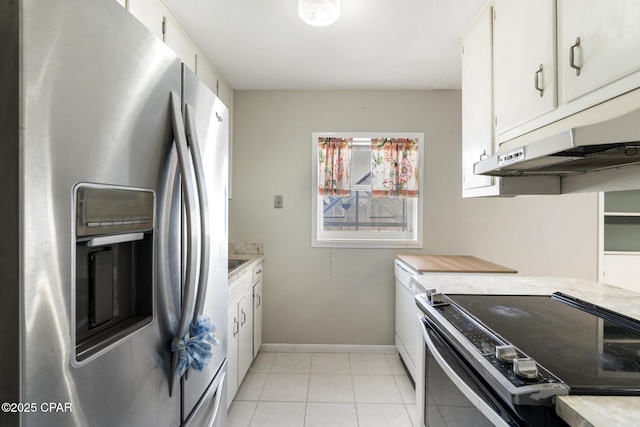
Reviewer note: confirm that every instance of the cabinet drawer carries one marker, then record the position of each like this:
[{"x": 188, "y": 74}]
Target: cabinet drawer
[
  {"x": 403, "y": 274},
  {"x": 257, "y": 273},
  {"x": 240, "y": 285}
]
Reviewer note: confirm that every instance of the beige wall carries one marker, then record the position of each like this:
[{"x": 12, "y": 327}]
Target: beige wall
[{"x": 346, "y": 296}]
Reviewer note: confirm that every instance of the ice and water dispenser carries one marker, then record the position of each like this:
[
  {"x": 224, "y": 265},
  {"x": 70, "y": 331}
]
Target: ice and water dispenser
[{"x": 113, "y": 265}]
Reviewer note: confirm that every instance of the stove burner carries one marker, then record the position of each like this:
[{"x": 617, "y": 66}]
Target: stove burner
[{"x": 505, "y": 311}]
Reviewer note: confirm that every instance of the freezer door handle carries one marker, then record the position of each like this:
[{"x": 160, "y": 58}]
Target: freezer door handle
[
  {"x": 216, "y": 405},
  {"x": 189, "y": 204},
  {"x": 192, "y": 139},
  {"x": 207, "y": 410}
]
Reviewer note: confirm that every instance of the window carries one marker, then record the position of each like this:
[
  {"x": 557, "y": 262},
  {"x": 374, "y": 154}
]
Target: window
[{"x": 357, "y": 200}]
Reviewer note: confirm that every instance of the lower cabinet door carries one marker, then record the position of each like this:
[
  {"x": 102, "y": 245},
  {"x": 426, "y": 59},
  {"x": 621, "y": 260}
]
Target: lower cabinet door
[
  {"x": 233, "y": 331},
  {"x": 257, "y": 317},
  {"x": 245, "y": 343}
]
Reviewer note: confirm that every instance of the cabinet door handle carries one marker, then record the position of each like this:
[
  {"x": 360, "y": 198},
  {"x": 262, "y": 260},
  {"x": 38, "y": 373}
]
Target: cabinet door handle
[
  {"x": 243, "y": 316},
  {"x": 536, "y": 81},
  {"x": 572, "y": 56},
  {"x": 236, "y": 327},
  {"x": 259, "y": 300}
]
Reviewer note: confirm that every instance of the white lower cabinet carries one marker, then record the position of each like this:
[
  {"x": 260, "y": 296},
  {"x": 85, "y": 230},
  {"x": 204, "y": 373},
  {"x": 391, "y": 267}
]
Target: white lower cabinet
[
  {"x": 406, "y": 311},
  {"x": 232, "y": 353},
  {"x": 257, "y": 317},
  {"x": 244, "y": 325},
  {"x": 245, "y": 341},
  {"x": 408, "y": 331},
  {"x": 240, "y": 335}
]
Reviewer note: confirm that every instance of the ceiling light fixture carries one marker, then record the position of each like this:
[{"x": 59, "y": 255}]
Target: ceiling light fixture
[{"x": 319, "y": 13}]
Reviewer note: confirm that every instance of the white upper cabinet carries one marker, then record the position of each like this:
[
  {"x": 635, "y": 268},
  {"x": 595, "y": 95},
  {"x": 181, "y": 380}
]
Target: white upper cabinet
[
  {"x": 477, "y": 102},
  {"x": 150, "y": 12},
  {"x": 178, "y": 40},
  {"x": 158, "y": 19},
  {"x": 599, "y": 43},
  {"x": 524, "y": 61},
  {"x": 212, "y": 78}
]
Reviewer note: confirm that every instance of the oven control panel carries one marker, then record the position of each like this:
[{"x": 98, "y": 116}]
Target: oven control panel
[{"x": 518, "y": 368}]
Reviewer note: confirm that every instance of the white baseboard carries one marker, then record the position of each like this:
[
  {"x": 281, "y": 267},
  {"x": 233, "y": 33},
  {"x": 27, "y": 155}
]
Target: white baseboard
[{"x": 327, "y": 348}]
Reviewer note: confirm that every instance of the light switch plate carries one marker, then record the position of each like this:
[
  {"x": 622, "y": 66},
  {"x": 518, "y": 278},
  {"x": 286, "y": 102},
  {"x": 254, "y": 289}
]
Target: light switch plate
[{"x": 277, "y": 201}]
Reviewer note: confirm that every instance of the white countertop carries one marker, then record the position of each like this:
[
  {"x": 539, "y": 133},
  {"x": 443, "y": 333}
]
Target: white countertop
[
  {"x": 252, "y": 260},
  {"x": 580, "y": 411}
]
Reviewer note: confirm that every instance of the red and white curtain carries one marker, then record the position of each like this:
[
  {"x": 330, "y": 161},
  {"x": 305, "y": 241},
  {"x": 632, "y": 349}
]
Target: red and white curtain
[
  {"x": 334, "y": 166},
  {"x": 395, "y": 170}
]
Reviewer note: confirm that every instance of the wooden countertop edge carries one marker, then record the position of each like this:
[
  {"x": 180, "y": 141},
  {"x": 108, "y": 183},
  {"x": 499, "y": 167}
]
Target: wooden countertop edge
[{"x": 454, "y": 264}]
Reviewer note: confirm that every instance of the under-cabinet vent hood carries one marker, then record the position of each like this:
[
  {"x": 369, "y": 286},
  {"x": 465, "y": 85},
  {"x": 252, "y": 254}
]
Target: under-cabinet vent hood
[{"x": 602, "y": 137}]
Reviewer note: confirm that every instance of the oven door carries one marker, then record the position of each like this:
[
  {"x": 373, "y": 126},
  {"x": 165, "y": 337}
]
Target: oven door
[{"x": 451, "y": 393}]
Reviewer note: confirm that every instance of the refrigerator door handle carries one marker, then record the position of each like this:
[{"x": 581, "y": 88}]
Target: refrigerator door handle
[
  {"x": 192, "y": 138},
  {"x": 191, "y": 261}
]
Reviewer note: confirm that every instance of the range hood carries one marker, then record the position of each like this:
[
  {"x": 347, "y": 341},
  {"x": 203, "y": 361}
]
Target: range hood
[{"x": 603, "y": 137}]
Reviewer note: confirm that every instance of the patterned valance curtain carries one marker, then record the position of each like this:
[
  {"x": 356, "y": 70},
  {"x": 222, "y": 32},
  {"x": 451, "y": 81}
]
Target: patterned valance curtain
[
  {"x": 334, "y": 166},
  {"x": 395, "y": 170}
]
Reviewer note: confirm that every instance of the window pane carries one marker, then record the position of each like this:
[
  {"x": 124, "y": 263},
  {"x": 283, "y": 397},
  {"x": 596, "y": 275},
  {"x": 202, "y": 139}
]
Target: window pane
[
  {"x": 360, "y": 163},
  {"x": 361, "y": 212}
]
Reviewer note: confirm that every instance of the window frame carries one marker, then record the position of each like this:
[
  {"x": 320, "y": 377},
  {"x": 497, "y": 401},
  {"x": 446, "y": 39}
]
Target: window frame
[{"x": 361, "y": 239}]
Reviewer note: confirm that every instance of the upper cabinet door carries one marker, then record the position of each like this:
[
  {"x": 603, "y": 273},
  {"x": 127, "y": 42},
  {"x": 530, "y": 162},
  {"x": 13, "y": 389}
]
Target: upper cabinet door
[
  {"x": 524, "y": 61},
  {"x": 150, "y": 13},
  {"x": 599, "y": 43},
  {"x": 178, "y": 40},
  {"x": 477, "y": 100}
]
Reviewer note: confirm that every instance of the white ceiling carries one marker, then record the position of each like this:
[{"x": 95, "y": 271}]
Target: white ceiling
[{"x": 375, "y": 44}]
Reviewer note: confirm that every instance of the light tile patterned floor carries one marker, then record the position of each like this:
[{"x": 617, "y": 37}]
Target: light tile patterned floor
[{"x": 325, "y": 390}]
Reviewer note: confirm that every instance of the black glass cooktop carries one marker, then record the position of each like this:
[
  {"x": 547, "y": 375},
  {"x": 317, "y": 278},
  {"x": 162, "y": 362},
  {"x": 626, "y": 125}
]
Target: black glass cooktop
[{"x": 589, "y": 351}]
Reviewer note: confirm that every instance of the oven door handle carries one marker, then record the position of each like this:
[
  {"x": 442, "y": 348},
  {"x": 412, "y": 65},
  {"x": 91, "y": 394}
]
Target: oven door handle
[{"x": 459, "y": 382}]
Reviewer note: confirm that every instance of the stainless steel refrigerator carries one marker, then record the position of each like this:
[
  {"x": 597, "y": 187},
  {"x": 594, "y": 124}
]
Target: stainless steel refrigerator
[{"x": 113, "y": 230}]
